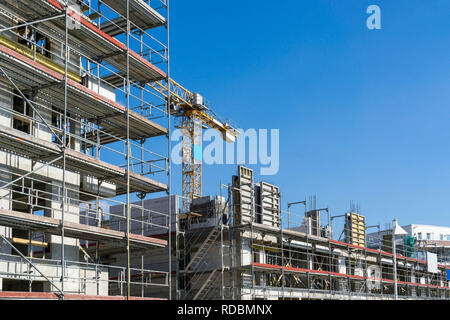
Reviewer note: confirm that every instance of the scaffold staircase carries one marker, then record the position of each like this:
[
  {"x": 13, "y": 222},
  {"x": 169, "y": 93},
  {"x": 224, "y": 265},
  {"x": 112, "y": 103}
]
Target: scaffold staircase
[
  {"x": 204, "y": 289},
  {"x": 197, "y": 270},
  {"x": 203, "y": 250},
  {"x": 194, "y": 271}
]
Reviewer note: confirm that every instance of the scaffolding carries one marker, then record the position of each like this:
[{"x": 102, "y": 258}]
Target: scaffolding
[
  {"x": 248, "y": 252},
  {"x": 200, "y": 240},
  {"x": 81, "y": 130}
]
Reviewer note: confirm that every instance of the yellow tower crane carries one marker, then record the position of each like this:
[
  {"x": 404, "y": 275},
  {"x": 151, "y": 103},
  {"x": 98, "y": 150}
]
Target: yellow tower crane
[{"x": 194, "y": 115}]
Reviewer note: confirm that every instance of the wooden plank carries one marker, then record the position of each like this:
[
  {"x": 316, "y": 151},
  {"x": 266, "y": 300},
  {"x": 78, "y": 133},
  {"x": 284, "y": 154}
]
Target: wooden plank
[{"x": 32, "y": 242}]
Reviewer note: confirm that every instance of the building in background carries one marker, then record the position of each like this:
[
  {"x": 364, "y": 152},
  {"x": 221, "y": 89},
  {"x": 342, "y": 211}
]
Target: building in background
[{"x": 428, "y": 238}]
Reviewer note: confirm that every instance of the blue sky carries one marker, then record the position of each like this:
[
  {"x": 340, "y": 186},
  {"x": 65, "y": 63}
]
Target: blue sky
[{"x": 363, "y": 114}]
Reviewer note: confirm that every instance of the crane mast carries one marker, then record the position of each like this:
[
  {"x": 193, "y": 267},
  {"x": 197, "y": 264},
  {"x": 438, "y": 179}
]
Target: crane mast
[{"x": 194, "y": 116}]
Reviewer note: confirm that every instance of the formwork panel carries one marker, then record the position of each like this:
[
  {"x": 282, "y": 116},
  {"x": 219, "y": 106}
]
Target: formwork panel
[
  {"x": 270, "y": 204},
  {"x": 244, "y": 196},
  {"x": 355, "y": 229}
]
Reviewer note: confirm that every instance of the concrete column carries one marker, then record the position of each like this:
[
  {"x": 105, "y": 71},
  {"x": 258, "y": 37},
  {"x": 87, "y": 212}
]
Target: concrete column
[
  {"x": 310, "y": 261},
  {"x": 71, "y": 247},
  {"x": 5, "y": 203},
  {"x": 6, "y": 101},
  {"x": 41, "y": 130},
  {"x": 245, "y": 249},
  {"x": 413, "y": 279}
]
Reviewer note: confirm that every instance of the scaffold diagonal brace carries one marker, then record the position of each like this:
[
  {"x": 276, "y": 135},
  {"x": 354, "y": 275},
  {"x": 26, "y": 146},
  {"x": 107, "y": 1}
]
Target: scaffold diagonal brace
[
  {"x": 31, "y": 264},
  {"x": 52, "y": 17},
  {"x": 32, "y": 106},
  {"x": 28, "y": 173}
]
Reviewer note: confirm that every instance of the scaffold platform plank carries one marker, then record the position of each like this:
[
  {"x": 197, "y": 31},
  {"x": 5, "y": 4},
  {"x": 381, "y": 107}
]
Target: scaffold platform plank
[
  {"x": 23, "y": 144},
  {"x": 141, "y": 14},
  {"x": 324, "y": 241},
  {"x": 29, "y": 75},
  {"x": 334, "y": 274},
  {"x": 26, "y": 221},
  {"x": 21, "y": 295},
  {"x": 87, "y": 38}
]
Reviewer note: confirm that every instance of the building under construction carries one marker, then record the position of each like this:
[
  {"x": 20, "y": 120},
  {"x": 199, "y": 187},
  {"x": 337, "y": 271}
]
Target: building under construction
[
  {"x": 247, "y": 247},
  {"x": 86, "y": 210},
  {"x": 82, "y": 130},
  {"x": 242, "y": 245}
]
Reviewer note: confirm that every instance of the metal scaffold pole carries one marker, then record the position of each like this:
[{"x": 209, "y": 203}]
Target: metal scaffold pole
[
  {"x": 282, "y": 250},
  {"x": 394, "y": 259},
  {"x": 128, "y": 148},
  {"x": 63, "y": 202},
  {"x": 252, "y": 219},
  {"x": 169, "y": 191},
  {"x": 231, "y": 239},
  {"x": 222, "y": 285}
]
